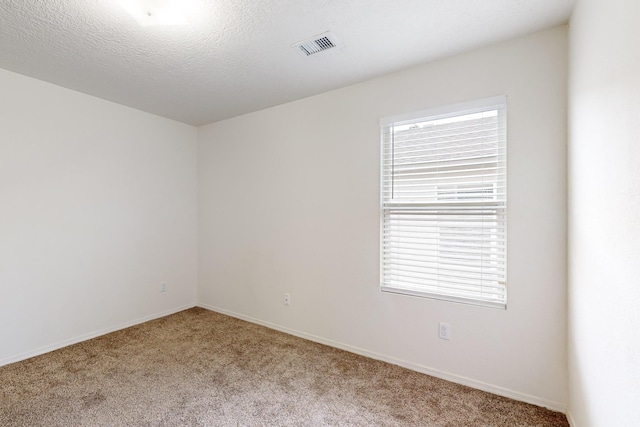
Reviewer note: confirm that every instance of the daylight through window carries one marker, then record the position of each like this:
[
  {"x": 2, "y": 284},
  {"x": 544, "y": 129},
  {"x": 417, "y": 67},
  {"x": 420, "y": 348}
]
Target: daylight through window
[{"x": 444, "y": 201}]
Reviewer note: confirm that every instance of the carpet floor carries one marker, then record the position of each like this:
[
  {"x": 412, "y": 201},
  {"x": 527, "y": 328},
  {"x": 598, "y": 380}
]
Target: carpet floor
[{"x": 200, "y": 368}]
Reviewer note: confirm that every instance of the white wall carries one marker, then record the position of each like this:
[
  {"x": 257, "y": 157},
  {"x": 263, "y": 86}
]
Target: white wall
[
  {"x": 288, "y": 202},
  {"x": 97, "y": 209},
  {"x": 604, "y": 214}
]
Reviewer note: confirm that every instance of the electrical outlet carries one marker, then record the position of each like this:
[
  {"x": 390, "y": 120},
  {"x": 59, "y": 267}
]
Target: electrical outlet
[
  {"x": 444, "y": 331},
  {"x": 163, "y": 287},
  {"x": 287, "y": 299}
]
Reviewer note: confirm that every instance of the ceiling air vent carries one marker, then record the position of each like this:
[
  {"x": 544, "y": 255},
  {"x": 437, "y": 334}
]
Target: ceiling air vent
[{"x": 316, "y": 44}]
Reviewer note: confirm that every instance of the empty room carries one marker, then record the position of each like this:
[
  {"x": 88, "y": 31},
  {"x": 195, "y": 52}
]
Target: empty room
[{"x": 367, "y": 213}]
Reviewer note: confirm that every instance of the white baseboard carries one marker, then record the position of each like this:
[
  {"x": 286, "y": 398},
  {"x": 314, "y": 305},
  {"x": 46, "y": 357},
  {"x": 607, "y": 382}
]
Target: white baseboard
[
  {"x": 572, "y": 423},
  {"x": 85, "y": 337},
  {"x": 490, "y": 388}
]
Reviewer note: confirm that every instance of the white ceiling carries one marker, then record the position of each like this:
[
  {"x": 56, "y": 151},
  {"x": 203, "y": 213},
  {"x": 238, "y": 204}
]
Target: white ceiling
[{"x": 235, "y": 56}]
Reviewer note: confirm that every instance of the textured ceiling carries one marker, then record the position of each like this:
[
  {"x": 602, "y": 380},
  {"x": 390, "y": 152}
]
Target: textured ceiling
[{"x": 235, "y": 56}]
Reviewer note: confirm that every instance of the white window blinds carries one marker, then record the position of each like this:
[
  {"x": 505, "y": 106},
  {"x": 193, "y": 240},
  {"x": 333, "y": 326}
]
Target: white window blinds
[{"x": 444, "y": 199}]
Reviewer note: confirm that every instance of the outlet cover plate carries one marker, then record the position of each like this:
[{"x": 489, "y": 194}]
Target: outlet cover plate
[{"x": 444, "y": 331}]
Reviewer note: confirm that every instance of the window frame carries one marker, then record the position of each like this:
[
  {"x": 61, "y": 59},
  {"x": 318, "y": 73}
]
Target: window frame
[{"x": 498, "y": 103}]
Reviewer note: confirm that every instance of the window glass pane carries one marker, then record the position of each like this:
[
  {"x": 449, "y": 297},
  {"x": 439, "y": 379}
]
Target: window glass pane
[{"x": 444, "y": 204}]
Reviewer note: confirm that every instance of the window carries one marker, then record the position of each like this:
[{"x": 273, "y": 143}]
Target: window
[{"x": 444, "y": 203}]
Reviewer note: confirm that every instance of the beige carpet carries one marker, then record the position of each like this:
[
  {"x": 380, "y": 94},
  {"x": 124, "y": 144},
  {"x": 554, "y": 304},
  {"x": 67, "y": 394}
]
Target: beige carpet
[{"x": 199, "y": 368}]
